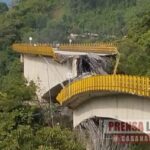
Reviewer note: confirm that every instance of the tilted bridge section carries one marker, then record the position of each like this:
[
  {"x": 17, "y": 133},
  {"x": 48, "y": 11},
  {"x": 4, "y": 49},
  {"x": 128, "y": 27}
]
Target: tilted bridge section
[
  {"x": 135, "y": 85},
  {"x": 120, "y": 97}
]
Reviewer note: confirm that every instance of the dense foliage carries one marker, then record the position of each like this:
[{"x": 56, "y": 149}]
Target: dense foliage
[
  {"x": 135, "y": 48},
  {"x": 22, "y": 124},
  {"x": 52, "y": 20},
  {"x": 127, "y": 22},
  {"x": 124, "y": 21}
]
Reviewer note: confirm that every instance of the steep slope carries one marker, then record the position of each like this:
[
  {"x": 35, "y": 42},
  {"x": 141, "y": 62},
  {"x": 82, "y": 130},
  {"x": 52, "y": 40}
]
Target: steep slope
[{"x": 125, "y": 21}]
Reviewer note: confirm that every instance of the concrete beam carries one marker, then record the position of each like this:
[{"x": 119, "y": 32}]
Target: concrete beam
[{"x": 119, "y": 106}]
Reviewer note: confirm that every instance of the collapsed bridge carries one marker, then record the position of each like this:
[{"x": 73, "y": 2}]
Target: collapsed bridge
[
  {"x": 82, "y": 77},
  {"x": 50, "y": 66}
]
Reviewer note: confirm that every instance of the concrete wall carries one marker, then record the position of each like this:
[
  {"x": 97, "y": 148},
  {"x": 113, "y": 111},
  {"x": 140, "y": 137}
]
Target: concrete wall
[
  {"x": 46, "y": 72},
  {"x": 120, "y": 106}
]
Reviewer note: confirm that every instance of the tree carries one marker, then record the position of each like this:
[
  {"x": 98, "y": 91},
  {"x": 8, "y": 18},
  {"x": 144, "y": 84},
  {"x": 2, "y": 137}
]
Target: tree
[{"x": 3, "y": 7}]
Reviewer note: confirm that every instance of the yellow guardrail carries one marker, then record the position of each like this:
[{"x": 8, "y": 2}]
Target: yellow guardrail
[
  {"x": 106, "y": 48},
  {"x": 38, "y": 49},
  {"x": 47, "y": 49},
  {"x": 118, "y": 83}
]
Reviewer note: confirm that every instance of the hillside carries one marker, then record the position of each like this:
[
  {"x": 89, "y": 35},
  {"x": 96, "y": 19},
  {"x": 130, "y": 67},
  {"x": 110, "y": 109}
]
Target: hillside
[
  {"x": 124, "y": 22},
  {"x": 50, "y": 21}
]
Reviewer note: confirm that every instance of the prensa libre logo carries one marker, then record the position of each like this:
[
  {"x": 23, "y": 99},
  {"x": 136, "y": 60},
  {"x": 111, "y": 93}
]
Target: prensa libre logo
[{"x": 133, "y": 131}]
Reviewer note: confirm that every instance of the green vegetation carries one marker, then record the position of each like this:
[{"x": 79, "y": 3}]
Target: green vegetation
[
  {"x": 127, "y": 22},
  {"x": 23, "y": 126},
  {"x": 123, "y": 21},
  {"x": 3, "y": 7},
  {"x": 135, "y": 48}
]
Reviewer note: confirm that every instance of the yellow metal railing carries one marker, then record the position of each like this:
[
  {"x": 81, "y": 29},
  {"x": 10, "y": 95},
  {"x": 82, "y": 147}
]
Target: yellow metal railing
[
  {"x": 47, "y": 50},
  {"x": 118, "y": 83},
  {"x": 38, "y": 49},
  {"x": 106, "y": 48}
]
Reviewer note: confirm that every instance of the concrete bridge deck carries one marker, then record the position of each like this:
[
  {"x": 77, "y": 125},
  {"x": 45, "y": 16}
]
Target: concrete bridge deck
[{"x": 134, "y": 85}]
